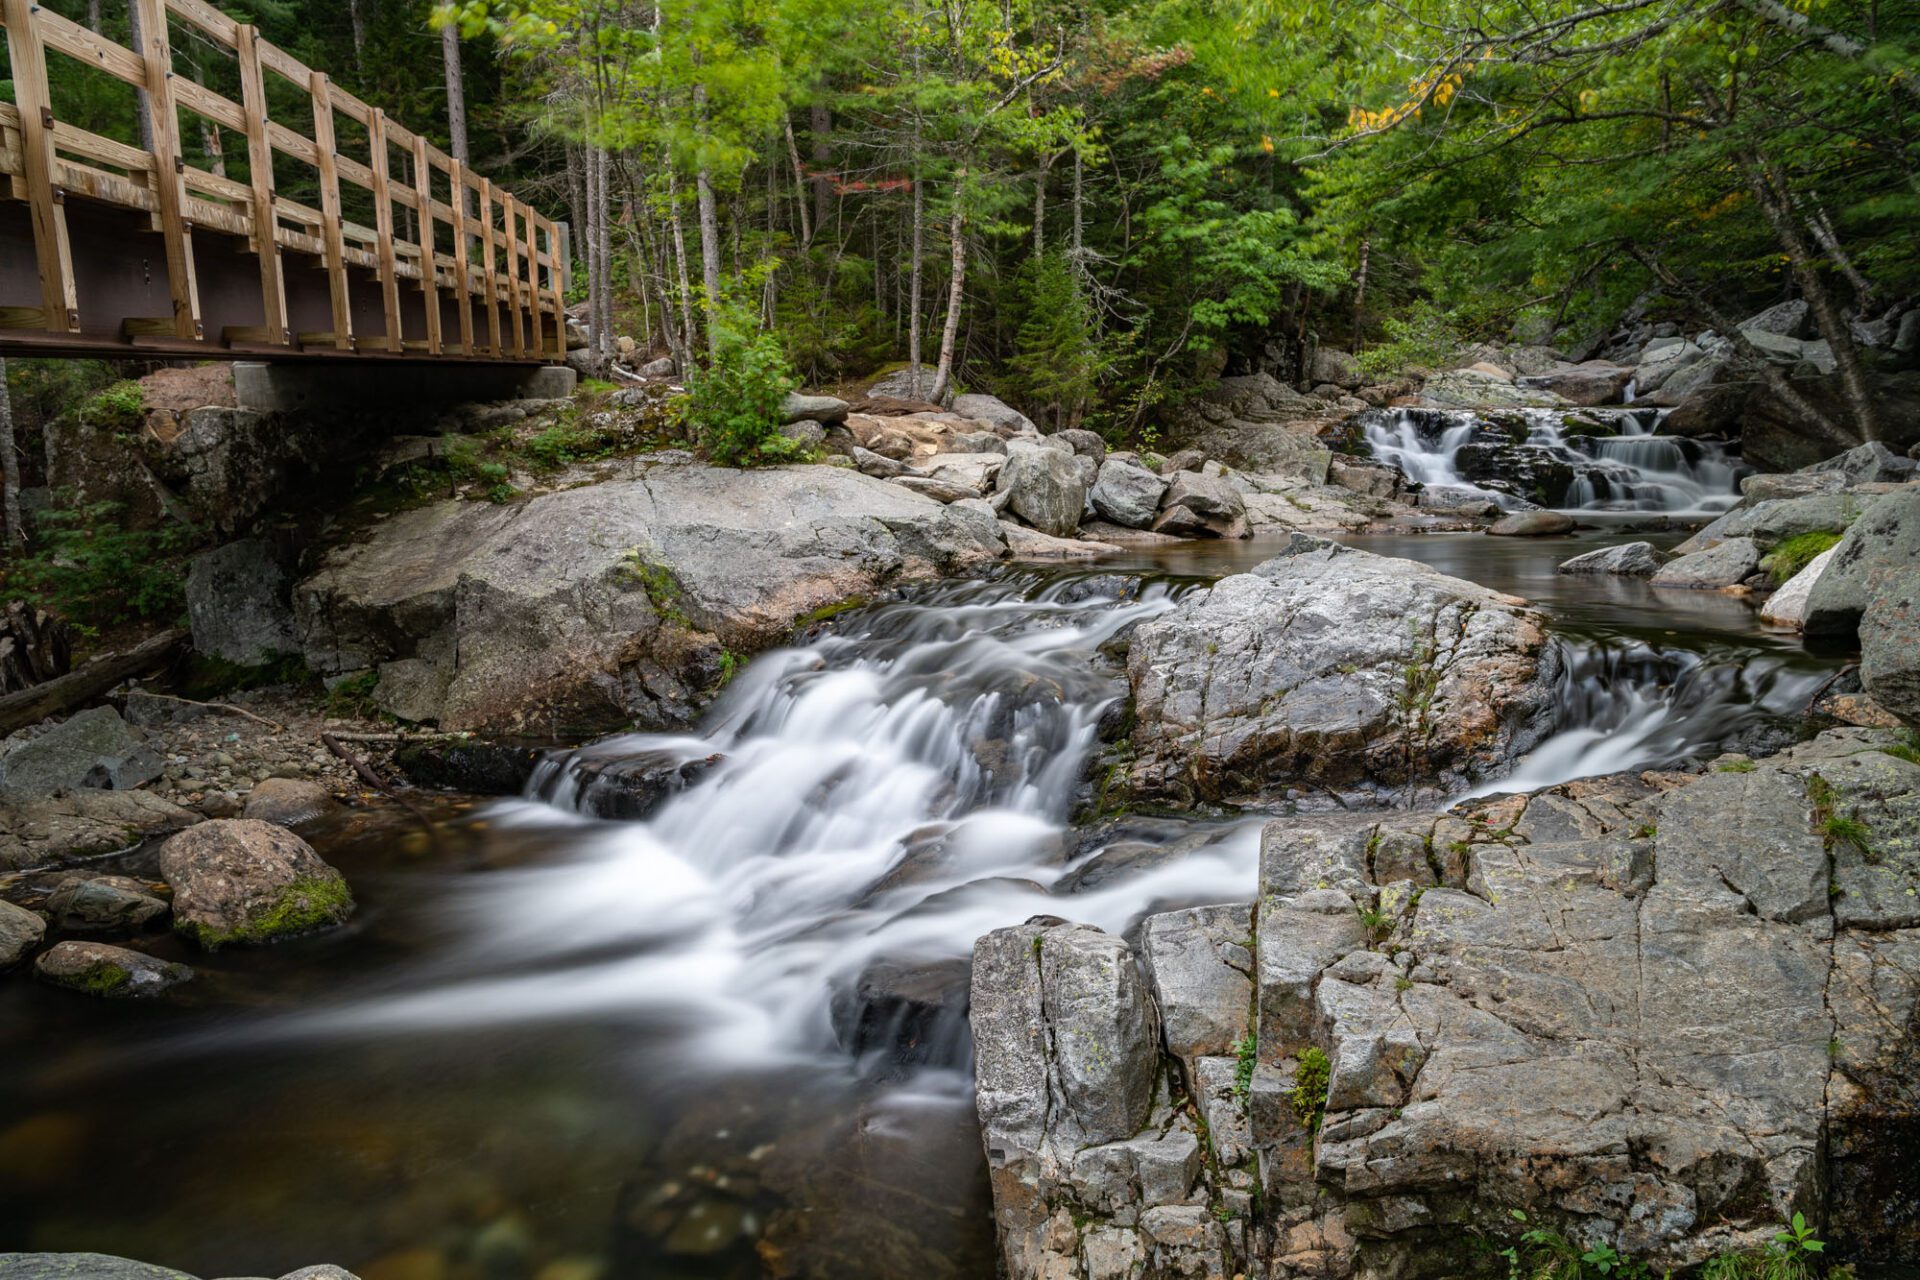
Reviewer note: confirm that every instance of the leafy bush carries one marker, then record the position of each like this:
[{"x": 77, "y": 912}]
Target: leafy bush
[
  {"x": 116, "y": 408},
  {"x": 1310, "y": 1082},
  {"x": 1423, "y": 335},
  {"x": 1797, "y": 552},
  {"x": 734, "y": 404},
  {"x": 98, "y": 573}
]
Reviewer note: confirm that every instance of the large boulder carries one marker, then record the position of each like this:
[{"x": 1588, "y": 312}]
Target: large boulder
[
  {"x": 1591, "y": 383},
  {"x": 113, "y": 973},
  {"x": 1871, "y": 463},
  {"x": 1127, "y": 493},
  {"x": 1198, "y": 505},
  {"x": 1332, "y": 672},
  {"x": 1787, "y": 607},
  {"x": 1726, "y": 564},
  {"x": 240, "y": 881},
  {"x": 1628, "y": 560},
  {"x": 1066, "y": 1059},
  {"x": 238, "y": 602},
  {"x": 1772, "y": 521},
  {"x": 611, "y": 604},
  {"x": 1532, "y": 524},
  {"x": 99, "y": 1266},
  {"x": 1006, "y": 419},
  {"x": 1472, "y": 389},
  {"x": 93, "y": 748},
  {"x": 798, "y": 408},
  {"x": 1658, "y": 366},
  {"x": 1871, "y": 587},
  {"x": 1337, "y": 367},
  {"x": 79, "y": 824},
  {"x": 1660, "y": 1013},
  {"x": 20, "y": 932},
  {"x": 1789, "y": 319},
  {"x": 1045, "y": 487},
  {"x": 898, "y": 384}
]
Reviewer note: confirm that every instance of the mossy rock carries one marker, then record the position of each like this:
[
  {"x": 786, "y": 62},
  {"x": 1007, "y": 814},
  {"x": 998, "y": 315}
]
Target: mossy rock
[
  {"x": 240, "y": 882},
  {"x": 111, "y": 973}
]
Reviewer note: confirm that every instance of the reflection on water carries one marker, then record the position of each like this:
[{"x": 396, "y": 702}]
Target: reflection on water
[{"x": 556, "y": 1040}]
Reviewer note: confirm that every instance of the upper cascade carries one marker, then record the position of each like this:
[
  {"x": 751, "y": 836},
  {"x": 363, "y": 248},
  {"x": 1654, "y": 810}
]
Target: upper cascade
[{"x": 1590, "y": 459}]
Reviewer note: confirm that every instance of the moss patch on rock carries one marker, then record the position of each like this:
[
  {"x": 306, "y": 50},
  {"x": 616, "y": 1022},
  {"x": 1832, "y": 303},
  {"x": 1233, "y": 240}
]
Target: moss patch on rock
[{"x": 305, "y": 906}]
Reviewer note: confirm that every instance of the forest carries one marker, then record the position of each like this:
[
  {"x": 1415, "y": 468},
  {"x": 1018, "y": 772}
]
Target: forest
[{"x": 1092, "y": 209}]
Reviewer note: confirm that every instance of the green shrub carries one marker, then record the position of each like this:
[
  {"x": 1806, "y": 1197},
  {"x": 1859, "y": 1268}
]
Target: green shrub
[
  {"x": 734, "y": 404},
  {"x": 115, "y": 408},
  {"x": 1797, "y": 552},
  {"x": 98, "y": 573},
  {"x": 1424, "y": 336}
]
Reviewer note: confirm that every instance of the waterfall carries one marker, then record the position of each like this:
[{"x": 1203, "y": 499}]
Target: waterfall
[{"x": 1535, "y": 457}]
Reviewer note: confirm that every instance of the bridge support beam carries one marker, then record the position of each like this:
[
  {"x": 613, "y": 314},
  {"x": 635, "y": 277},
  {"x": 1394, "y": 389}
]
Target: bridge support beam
[{"x": 280, "y": 387}]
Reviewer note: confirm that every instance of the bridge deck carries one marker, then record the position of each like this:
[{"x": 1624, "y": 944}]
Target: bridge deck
[{"x": 108, "y": 248}]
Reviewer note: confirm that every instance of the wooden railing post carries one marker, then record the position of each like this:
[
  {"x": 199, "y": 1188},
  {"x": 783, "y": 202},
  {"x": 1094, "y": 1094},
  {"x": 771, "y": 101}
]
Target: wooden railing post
[
  {"x": 511, "y": 207},
  {"x": 487, "y": 264},
  {"x": 429, "y": 284},
  {"x": 266, "y": 242},
  {"x": 325, "y": 150},
  {"x": 383, "y": 227},
  {"x": 557, "y": 278},
  {"x": 462, "y": 264},
  {"x": 53, "y": 255},
  {"x": 169, "y": 183}
]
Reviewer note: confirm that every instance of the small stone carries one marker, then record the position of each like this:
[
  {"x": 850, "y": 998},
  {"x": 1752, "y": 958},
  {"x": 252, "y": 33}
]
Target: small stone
[
  {"x": 288, "y": 802},
  {"x": 114, "y": 973},
  {"x": 1532, "y": 524},
  {"x": 103, "y": 904},
  {"x": 20, "y": 932}
]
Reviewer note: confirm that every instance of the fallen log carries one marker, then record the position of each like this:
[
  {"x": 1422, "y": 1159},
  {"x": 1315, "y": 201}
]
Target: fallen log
[{"x": 85, "y": 683}]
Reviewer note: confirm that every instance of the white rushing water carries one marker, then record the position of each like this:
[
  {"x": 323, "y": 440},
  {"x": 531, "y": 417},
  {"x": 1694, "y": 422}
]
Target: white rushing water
[
  {"x": 893, "y": 792},
  {"x": 1633, "y": 469}
]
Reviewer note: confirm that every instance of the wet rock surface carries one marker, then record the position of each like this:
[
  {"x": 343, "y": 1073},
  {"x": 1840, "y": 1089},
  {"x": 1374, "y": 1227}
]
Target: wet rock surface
[
  {"x": 112, "y": 973},
  {"x": 1663, "y": 1011},
  {"x": 1331, "y": 672}
]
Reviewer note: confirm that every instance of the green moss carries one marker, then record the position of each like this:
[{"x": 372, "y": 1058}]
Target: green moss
[
  {"x": 1310, "y": 1082},
  {"x": 310, "y": 903},
  {"x": 1735, "y": 766},
  {"x": 105, "y": 980},
  {"x": 1244, "y": 1051},
  {"x": 1797, "y": 552},
  {"x": 829, "y": 611}
]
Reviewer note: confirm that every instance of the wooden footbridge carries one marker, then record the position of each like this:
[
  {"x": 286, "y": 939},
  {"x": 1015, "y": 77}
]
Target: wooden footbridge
[{"x": 324, "y": 230}]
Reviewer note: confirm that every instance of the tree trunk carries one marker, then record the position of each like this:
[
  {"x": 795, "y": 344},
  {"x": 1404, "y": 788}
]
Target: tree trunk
[
  {"x": 915, "y": 289},
  {"x": 357, "y": 15},
  {"x": 604, "y": 334},
  {"x": 595, "y": 212},
  {"x": 210, "y": 140},
  {"x": 821, "y": 124},
  {"x": 83, "y": 684},
  {"x": 456, "y": 93},
  {"x": 11, "y": 524},
  {"x": 1040, "y": 207},
  {"x": 1770, "y": 192},
  {"x": 709, "y": 230},
  {"x": 1360, "y": 291},
  {"x": 799, "y": 187},
  {"x": 956, "y": 294},
  {"x": 142, "y": 104},
  {"x": 687, "y": 329}
]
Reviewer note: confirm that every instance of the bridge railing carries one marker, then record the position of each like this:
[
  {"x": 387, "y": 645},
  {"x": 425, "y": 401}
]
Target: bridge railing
[{"x": 450, "y": 267}]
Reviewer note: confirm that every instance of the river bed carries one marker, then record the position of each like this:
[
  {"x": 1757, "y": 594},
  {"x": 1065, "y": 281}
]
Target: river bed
[{"x": 552, "y": 1045}]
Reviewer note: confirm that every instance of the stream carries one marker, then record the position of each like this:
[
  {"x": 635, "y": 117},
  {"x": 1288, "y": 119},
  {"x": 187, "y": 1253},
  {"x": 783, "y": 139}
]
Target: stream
[{"x": 559, "y": 1042}]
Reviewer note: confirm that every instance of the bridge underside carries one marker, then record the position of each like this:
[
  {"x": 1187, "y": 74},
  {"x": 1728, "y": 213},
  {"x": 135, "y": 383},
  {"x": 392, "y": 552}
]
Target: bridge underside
[{"x": 120, "y": 273}]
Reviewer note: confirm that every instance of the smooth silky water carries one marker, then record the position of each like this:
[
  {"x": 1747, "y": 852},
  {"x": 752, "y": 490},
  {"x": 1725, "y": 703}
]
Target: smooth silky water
[{"x": 551, "y": 1038}]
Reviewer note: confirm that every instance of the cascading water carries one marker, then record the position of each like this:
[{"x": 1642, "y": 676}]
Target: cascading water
[{"x": 1535, "y": 457}]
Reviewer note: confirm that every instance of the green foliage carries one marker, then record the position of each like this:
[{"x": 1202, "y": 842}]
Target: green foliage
[
  {"x": 1422, "y": 336},
  {"x": 1245, "y": 1056},
  {"x": 1544, "y": 1254},
  {"x": 1312, "y": 1073},
  {"x": 734, "y": 404},
  {"x": 115, "y": 408},
  {"x": 92, "y": 569},
  {"x": 1736, "y": 766},
  {"x": 352, "y": 697},
  {"x": 1797, "y": 552},
  {"x": 1795, "y": 1254},
  {"x": 1057, "y": 362}
]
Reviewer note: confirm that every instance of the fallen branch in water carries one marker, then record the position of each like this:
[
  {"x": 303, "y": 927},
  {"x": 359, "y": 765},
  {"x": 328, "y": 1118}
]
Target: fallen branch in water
[
  {"x": 374, "y": 780},
  {"x": 1827, "y": 684}
]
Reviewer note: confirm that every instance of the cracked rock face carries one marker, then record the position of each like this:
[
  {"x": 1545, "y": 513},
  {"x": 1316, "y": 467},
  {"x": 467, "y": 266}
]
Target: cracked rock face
[
  {"x": 613, "y": 603},
  {"x": 1328, "y": 671},
  {"x": 1663, "y": 1011}
]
